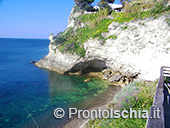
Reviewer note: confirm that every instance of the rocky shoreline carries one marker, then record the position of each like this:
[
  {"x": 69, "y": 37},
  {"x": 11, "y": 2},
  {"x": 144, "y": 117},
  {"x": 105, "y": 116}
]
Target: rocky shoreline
[
  {"x": 113, "y": 77},
  {"x": 91, "y": 68}
]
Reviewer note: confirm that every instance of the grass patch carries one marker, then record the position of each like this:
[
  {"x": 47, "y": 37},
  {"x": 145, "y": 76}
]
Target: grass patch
[
  {"x": 97, "y": 17},
  {"x": 157, "y": 10},
  {"x": 110, "y": 37},
  {"x": 122, "y": 17},
  {"x": 168, "y": 21},
  {"x": 136, "y": 95}
]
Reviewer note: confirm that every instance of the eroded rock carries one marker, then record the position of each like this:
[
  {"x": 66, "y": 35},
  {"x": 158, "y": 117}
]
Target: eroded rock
[{"x": 115, "y": 78}]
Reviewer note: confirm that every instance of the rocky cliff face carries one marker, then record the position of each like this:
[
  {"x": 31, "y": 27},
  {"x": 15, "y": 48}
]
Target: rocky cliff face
[
  {"x": 144, "y": 46},
  {"x": 141, "y": 47},
  {"x": 72, "y": 18}
]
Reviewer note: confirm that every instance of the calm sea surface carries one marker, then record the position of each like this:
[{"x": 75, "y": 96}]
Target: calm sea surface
[{"x": 27, "y": 91}]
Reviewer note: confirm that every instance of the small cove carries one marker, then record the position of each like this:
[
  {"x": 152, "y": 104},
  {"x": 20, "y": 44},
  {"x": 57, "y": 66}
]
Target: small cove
[{"x": 25, "y": 87}]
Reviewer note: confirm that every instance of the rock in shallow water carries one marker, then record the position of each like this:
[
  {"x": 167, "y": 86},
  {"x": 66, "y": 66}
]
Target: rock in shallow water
[
  {"x": 87, "y": 80},
  {"x": 115, "y": 78},
  {"x": 33, "y": 62}
]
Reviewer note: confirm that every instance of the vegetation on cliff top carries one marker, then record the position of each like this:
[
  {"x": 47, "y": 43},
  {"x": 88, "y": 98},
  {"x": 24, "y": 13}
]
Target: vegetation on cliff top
[
  {"x": 95, "y": 24},
  {"x": 86, "y": 4}
]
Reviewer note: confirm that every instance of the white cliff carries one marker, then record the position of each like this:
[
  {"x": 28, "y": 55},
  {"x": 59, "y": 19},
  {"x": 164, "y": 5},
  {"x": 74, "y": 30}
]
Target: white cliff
[
  {"x": 72, "y": 17},
  {"x": 141, "y": 46}
]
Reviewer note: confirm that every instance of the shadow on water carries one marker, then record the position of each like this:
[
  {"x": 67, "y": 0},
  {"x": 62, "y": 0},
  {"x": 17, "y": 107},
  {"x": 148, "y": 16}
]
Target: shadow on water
[{"x": 71, "y": 92}]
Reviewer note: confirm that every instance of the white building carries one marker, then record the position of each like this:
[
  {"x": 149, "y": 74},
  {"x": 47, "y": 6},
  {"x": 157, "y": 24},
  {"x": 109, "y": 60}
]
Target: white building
[
  {"x": 96, "y": 7},
  {"x": 117, "y": 7}
]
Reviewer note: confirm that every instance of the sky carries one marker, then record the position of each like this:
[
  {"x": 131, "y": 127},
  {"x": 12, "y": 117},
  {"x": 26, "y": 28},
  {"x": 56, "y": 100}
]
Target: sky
[{"x": 34, "y": 18}]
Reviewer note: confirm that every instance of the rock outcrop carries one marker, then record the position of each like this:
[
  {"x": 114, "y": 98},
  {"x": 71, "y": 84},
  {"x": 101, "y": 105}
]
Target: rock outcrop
[
  {"x": 141, "y": 48},
  {"x": 72, "y": 18}
]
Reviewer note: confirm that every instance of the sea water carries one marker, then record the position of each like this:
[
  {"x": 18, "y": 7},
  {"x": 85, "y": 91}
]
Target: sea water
[{"x": 29, "y": 94}]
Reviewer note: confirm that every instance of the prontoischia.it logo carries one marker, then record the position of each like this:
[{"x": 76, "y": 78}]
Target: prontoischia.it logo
[{"x": 89, "y": 114}]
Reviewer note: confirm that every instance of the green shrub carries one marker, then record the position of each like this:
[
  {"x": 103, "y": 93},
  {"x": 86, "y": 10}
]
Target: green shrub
[
  {"x": 121, "y": 17},
  {"x": 128, "y": 97},
  {"x": 157, "y": 9},
  {"x": 85, "y": 4},
  {"x": 136, "y": 95},
  {"x": 112, "y": 37},
  {"x": 98, "y": 16},
  {"x": 76, "y": 9},
  {"x": 125, "y": 27},
  {"x": 104, "y": 6}
]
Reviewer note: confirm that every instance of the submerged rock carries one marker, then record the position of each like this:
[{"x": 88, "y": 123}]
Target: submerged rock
[
  {"x": 33, "y": 62},
  {"x": 87, "y": 80}
]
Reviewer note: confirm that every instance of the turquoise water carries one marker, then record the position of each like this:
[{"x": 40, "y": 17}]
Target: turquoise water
[{"x": 25, "y": 88}]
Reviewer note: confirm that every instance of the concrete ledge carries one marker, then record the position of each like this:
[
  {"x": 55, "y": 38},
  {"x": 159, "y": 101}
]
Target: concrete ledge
[
  {"x": 158, "y": 103},
  {"x": 155, "y": 122}
]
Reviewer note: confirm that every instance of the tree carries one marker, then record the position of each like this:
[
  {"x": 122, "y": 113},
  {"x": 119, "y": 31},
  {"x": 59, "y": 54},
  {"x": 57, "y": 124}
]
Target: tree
[
  {"x": 84, "y": 4},
  {"x": 104, "y": 4},
  {"x": 124, "y": 1},
  {"x": 79, "y": 2},
  {"x": 108, "y": 1}
]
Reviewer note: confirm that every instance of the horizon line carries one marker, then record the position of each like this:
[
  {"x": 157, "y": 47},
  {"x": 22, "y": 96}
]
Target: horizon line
[{"x": 23, "y": 38}]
